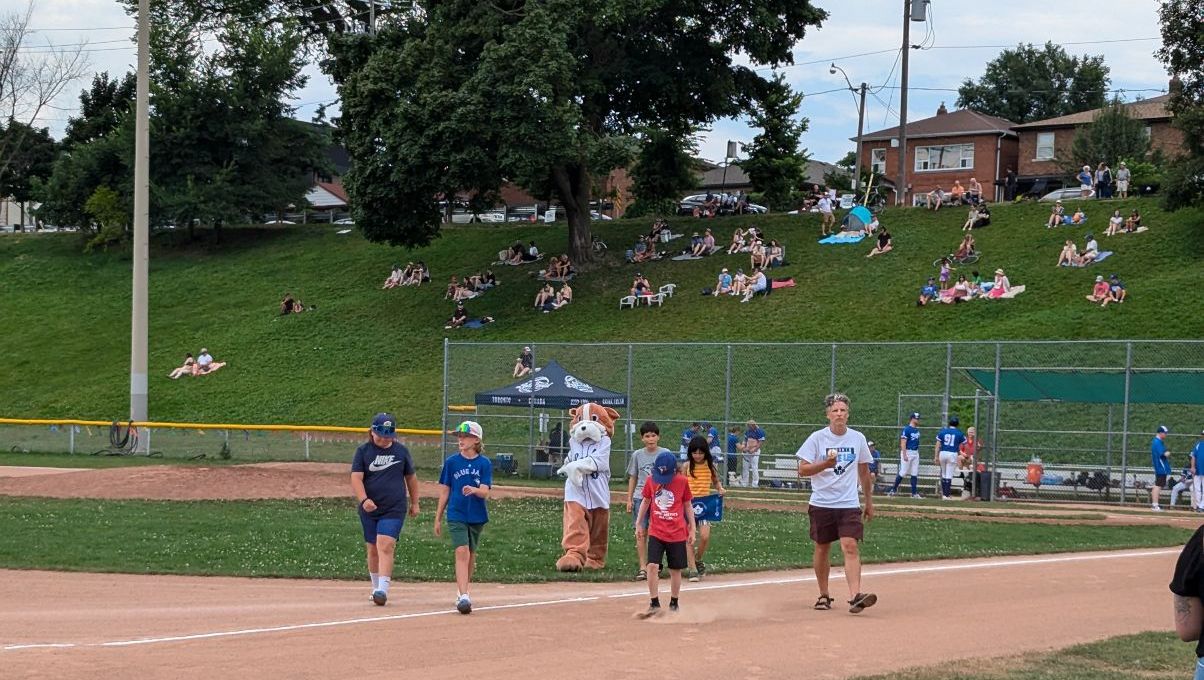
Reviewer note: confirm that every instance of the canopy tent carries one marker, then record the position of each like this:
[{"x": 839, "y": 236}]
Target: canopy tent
[
  {"x": 1093, "y": 387},
  {"x": 551, "y": 387}
]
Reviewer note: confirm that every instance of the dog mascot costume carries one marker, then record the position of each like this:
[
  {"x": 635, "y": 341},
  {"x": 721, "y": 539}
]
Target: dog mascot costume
[{"x": 587, "y": 488}]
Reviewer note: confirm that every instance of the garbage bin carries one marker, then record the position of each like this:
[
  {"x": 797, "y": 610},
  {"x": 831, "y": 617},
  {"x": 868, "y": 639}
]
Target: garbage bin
[
  {"x": 985, "y": 485},
  {"x": 541, "y": 470}
]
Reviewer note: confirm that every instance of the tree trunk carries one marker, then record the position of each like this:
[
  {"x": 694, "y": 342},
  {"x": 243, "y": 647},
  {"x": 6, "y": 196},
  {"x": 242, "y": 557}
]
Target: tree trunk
[{"x": 573, "y": 188}]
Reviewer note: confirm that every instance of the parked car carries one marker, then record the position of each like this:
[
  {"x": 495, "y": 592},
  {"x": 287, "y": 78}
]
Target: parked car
[
  {"x": 279, "y": 222},
  {"x": 463, "y": 216},
  {"x": 1067, "y": 194},
  {"x": 687, "y": 205},
  {"x": 345, "y": 221}
]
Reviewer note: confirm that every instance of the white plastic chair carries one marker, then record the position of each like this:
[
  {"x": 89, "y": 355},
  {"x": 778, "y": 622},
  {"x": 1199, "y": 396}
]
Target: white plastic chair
[
  {"x": 657, "y": 299},
  {"x": 627, "y": 301},
  {"x": 668, "y": 289}
]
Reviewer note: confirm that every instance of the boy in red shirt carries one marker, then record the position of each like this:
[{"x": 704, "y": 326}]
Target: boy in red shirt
[{"x": 670, "y": 530}]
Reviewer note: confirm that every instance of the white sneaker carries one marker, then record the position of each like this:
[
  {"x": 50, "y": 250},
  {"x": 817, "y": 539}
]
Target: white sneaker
[
  {"x": 916, "y": 495},
  {"x": 1156, "y": 508}
]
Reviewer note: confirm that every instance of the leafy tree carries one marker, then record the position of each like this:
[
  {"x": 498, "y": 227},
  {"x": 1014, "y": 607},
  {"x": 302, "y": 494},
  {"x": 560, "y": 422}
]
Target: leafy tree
[
  {"x": 1112, "y": 136},
  {"x": 775, "y": 163},
  {"x": 664, "y": 169},
  {"x": 457, "y": 96},
  {"x": 1183, "y": 53},
  {"x": 32, "y": 160},
  {"x": 1029, "y": 83},
  {"x": 101, "y": 108},
  {"x": 107, "y": 211}
]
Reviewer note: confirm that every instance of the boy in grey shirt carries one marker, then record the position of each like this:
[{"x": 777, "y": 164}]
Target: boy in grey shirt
[{"x": 639, "y": 465}]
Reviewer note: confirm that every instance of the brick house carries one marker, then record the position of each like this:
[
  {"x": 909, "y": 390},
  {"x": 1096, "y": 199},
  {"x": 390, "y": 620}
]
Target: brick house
[
  {"x": 1045, "y": 144},
  {"x": 952, "y": 145}
]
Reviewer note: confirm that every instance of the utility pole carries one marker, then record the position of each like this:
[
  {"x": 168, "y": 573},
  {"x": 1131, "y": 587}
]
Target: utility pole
[
  {"x": 372, "y": 17},
  {"x": 901, "y": 178},
  {"x": 141, "y": 253},
  {"x": 860, "y": 131}
]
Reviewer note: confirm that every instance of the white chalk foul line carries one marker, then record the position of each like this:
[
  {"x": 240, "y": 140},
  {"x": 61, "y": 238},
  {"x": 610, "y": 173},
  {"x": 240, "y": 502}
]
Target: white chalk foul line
[{"x": 895, "y": 571}]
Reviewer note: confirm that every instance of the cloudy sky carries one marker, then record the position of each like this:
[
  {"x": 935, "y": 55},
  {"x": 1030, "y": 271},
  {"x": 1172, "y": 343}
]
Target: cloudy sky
[{"x": 863, "y": 37}]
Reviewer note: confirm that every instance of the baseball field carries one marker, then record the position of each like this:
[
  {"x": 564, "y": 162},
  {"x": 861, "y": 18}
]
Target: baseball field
[{"x": 160, "y": 571}]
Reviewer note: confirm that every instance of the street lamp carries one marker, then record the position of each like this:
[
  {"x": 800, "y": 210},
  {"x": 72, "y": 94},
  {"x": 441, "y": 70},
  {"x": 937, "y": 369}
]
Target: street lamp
[{"x": 860, "y": 122}]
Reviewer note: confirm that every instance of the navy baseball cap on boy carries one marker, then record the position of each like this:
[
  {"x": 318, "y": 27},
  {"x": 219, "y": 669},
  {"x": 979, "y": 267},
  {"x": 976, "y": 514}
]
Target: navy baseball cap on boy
[
  {"x": 384, "y": 425},
  {"x": 664, "y": 468},
  {"x": 953, "y": 420},
  {"x": 1163, "y": 429},
  {"x": 915, "y": 414}
]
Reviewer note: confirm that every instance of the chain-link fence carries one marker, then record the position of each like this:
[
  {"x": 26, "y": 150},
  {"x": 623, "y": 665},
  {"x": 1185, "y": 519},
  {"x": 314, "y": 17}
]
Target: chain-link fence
[{"x": 1086, "y": 436}]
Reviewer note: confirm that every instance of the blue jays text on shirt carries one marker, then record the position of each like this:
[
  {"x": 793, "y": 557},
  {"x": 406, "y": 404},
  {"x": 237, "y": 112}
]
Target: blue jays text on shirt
[
  {"x": 912, "y": 435},
  {"x": 468, "y": 471}
]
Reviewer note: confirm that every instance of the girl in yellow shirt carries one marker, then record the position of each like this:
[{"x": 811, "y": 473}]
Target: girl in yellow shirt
[{"x": 702, "y": 476}]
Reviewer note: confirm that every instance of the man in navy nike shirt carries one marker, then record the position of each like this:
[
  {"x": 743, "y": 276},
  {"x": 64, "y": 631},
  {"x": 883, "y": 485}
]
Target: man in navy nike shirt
[{"x": 383, "y": 479}]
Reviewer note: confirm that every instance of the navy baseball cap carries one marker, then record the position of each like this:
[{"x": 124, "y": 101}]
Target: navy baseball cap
[
  {"x": 664, "y": 468},
  {"x": 953, "y": 420},
  {"x": 384, "y": 425},
  {"x": 1163, "y": 429},
  {"x": 915, "y": 414}
]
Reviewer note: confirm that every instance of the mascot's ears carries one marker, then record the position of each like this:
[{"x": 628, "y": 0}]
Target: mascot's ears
[{"x": 605, "y": 416}]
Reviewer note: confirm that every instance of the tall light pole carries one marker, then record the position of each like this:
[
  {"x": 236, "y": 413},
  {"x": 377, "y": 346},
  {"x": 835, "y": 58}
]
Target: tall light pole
[
  {"x": 860, "y": 123},
  {"x": 909, "y": 15},
  {"x": 141, "y": 252}
]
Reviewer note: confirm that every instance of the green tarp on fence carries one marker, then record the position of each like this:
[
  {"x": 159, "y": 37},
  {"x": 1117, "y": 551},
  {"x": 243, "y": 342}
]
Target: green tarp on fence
[{"x": 1093, "y": 387}]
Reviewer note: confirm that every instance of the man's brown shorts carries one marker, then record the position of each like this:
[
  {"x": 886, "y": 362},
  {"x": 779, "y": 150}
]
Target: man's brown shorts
[{"x": 829, "y": 525}]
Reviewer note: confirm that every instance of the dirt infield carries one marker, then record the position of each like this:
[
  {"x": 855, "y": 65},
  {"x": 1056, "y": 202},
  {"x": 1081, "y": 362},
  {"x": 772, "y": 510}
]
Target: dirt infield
[
  {"x": 741, "y": 626},
  {"x": 330, "y": 480}
]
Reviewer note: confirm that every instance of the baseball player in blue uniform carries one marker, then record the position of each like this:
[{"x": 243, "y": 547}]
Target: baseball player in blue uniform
[
  {"x": 383, "y": 479},
  {"x": 1161, "y": 459},
  {"x": 909, "y": 456},
  {"x": 948, "y": 444},
  {"x": 1197, "y": 469}
]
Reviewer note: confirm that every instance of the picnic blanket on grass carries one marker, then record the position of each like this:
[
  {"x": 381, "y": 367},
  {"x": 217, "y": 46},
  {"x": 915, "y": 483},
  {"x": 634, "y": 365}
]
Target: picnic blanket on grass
[
  {"x": 687, "y": 256},
  {"x": 846, "y": 237}
]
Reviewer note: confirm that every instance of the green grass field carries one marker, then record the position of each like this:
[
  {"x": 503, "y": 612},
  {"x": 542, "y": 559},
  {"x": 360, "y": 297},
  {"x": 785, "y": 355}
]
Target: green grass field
[
  {"x": 320, "y": 539},
  {"x": 67, "y": 314},
  {"x": 1148, "y": 656}
]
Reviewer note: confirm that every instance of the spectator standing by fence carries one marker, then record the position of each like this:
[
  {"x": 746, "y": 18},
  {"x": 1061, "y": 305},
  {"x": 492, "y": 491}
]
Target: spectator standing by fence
[
  {"x": 836, "y": 459},
  {"x": 1122, "y": 180},
  {"x": 1160, "y": 456},
  {"x": 754, "y": 437},
  {"x": 948, "y": 444},
  {"x": 733, "y": 451}
]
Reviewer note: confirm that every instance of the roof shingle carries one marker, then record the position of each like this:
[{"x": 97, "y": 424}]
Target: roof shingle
[
  {"x": 960, "y": 122},
  {"x": 1146, "y": 109}
]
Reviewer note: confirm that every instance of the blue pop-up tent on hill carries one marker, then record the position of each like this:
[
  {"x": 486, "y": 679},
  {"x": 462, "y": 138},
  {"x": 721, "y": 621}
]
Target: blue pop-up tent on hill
[{"x": 551, "y": 387}]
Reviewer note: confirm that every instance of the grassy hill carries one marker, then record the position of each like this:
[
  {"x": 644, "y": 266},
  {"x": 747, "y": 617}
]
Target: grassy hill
[{"x": 65, "y": 315}]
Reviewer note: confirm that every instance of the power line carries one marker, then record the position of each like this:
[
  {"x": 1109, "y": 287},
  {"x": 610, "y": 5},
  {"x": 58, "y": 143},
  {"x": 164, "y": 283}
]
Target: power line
[{"x": 1081, "y": 42}]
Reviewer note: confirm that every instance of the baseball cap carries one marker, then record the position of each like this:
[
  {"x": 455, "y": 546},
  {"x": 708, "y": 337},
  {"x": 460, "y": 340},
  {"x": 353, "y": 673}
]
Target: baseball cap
[
  {"x": 664, "y": 468},
  {"x": 1163, "y": 429},
  {"x": 1099, "y": 278},
  {"x": 526, "y": 349},
  {"x": 204, "y": 351},
  {"x": 953, "y": 420},
  {"x": 384, "y": 425},
  {"x": 870, "y": 443},
  {"x": 470, "y": 428},
  {"x": 915, "y": 414}
]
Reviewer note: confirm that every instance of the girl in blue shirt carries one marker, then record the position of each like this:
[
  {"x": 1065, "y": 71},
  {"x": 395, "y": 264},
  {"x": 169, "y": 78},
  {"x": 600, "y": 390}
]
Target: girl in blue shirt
[{"x": 464, "y": 486}]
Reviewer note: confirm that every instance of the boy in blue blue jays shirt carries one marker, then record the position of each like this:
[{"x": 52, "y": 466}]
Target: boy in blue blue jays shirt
[
  {"x": 464, "y": 486},
  {"x": 1160, "y": 457}
]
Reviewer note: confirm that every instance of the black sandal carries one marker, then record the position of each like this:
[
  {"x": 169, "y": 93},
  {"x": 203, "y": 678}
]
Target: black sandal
[
  {"x": 641, "y": 575},
  {"x": 824, "y": 602},
  {"x": 861, "y": 602}
]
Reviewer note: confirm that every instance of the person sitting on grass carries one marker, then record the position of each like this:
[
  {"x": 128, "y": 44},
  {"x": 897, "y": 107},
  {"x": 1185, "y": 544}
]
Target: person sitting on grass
[
  {"x": 696, "y": 244},
  {"x": 1134, "y": 222},
  {"x": 759, "y": 284},
  {"x": 1119, "y": 293},
  {"x": 984, "y": 216},
  {"x": 885, "y": 245},
  {"x": 658, "y": 227},
  {"x": 1055, "y": 215},
  {"x": 1089, "y": 253},
  {"x": 965, "y": 248},
  {"x": 971, "y": 218},
  {"x": 463, "y": 291},
  {"x": 205, "y": 363},
  {"x": 976, "y": 288},
  {"x": 488, "y": 280},
  {"x": 1101, "y": 292},
  {"x": 1069, "y": 254},
  {"x": 723, "y": 285},
  {"x": 961, "y": 291},
  {"x": 453, "y": 285},
  {"x": 758, "y": 254},
  {"x": 515, "y": 254},
  {"x": 185, "y": 369},
  {"x": 1079, "y": 217},
  {"x": 397, "y": 276},
  {"x": 290, "y": 305},
  {"x": 957, "y": 193},
  {"x": 1115, "y": 223},
  {"x": 545, "y": 294},
  {"x": 532, "y": 253},
  {"x": 775, "y": 254},
  {"x": 739, "y": 283},
  {"x": 563, "y": 297},
  {"x": 1001, "y": 286},
  {"x": 934, "y": 199},
  {"x": 928, "y": 293},
  {"x": 524, "y": 363},
  {"x": 974, "y": 193},
  {"x": 708, "y": 242},
  {"x": 737, "y": 242},
  {"x": 418, "y": 275},
  {"x": 458, "y": 317},
  {"x": 566, "y": 266}
]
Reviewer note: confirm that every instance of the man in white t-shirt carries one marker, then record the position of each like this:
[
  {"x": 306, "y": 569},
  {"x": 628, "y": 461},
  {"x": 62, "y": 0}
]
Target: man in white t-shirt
[
  {"x": 836, "y": 459},
  {"x": 827, "y": 219}
]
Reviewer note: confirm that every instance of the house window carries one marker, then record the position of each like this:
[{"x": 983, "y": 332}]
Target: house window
[
  {"x": 951, "y": 157},
  {"x": 878, "y": 161},
  {"x": 1147, "y": 131},
  {"x": 1045, "y": 146}
]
